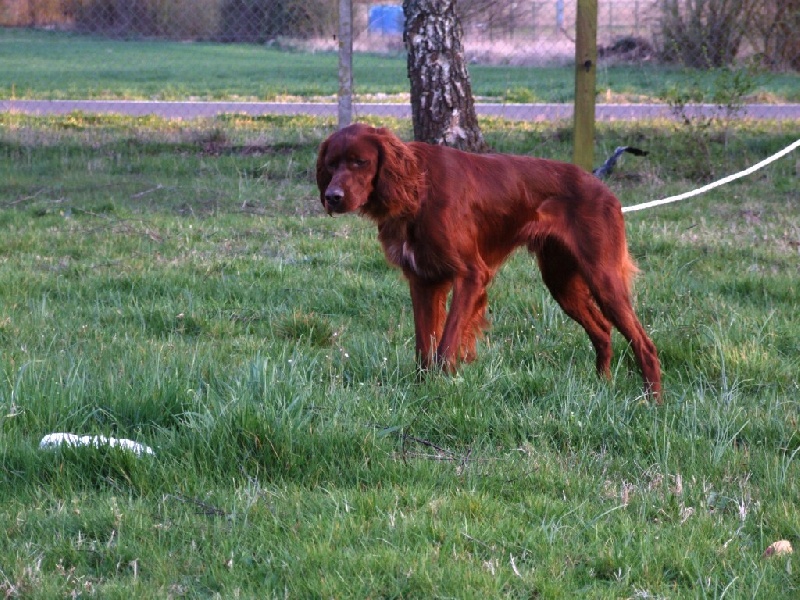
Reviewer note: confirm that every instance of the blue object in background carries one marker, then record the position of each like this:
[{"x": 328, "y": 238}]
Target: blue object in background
[{"x": 385, "y": 19}]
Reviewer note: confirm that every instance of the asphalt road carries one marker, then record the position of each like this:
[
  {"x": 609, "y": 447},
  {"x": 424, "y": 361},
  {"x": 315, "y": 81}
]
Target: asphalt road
[{"x": 522, "y": 112}]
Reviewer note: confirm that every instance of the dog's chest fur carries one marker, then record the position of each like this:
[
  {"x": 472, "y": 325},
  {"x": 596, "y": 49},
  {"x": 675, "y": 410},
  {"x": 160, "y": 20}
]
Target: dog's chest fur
[{"x": 412, "y": 252}]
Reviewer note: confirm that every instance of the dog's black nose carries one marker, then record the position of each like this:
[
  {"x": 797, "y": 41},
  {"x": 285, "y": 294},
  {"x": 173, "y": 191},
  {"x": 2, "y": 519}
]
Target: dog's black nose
[{"x": 334, "y": 197}]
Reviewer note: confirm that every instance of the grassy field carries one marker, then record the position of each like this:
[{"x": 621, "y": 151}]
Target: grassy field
[
  {"x": 51, "y": 65},
  {"x": 177, "y": 284}
]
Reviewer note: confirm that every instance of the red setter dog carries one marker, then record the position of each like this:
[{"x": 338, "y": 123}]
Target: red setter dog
[{"x": 449, "y": 219}]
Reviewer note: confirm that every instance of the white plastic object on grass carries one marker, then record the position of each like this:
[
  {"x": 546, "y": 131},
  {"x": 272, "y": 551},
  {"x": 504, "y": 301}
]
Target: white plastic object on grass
[
  {"x": 778, "y": 548},
  {"x": 53, "y": 440}
]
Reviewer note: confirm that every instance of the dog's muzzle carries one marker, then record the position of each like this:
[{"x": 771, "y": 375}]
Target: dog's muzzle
[{"x": 334, "y": 197}]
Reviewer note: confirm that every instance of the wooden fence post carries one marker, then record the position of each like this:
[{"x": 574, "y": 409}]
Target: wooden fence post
[
  {"x": 585, "y": 76},
  {"x": 345, "y": 62}
]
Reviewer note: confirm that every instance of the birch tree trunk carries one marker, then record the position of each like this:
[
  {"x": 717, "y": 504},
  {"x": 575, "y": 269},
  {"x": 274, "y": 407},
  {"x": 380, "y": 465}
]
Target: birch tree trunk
[{"x": 442, "y": 106}]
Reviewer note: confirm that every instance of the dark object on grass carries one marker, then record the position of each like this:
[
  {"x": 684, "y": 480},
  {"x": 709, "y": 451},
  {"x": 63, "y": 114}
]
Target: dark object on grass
[{"x": 607, "y": 167}]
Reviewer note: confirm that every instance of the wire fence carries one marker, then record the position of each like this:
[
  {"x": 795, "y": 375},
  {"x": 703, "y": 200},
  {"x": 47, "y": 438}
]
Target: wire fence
[{"x": 534, "y": 35}]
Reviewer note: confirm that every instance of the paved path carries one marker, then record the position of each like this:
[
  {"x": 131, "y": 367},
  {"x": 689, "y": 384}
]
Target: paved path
[{"x": 522, "y": 112}]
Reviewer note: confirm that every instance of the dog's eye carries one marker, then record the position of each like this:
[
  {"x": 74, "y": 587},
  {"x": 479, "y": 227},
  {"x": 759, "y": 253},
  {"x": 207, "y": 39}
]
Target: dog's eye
[{"x": 359, "y": 162}]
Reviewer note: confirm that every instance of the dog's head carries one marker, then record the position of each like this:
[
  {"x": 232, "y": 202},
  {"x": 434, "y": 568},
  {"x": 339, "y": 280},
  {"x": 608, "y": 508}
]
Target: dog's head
[{"x": 366, "y": 169}]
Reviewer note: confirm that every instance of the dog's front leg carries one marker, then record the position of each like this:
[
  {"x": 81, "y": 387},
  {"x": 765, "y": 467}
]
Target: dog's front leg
[
  {"x": 468, "y": 293},
  {"x": 429, "y": 302}
]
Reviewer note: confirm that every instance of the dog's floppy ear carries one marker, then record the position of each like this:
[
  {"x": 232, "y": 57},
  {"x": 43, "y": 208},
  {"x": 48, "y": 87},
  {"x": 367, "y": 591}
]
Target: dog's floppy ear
[
  {"x": 398, "y": 178},
  {"x": 323, "y": 177}
]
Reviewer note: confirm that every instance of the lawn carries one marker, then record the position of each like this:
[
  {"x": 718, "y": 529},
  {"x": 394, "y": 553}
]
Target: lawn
[
  {"x": 55, "y": 65},
  {"x": 176, "y": 283}
]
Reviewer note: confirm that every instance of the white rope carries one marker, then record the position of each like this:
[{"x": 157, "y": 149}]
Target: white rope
[{"x": 711, "y": 186}]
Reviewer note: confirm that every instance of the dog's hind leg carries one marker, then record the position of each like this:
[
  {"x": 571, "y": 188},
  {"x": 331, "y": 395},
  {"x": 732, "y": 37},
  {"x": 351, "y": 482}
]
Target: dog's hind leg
[
  {"x": 611, "y": 294},
  {"x": 565, "y": 282}
]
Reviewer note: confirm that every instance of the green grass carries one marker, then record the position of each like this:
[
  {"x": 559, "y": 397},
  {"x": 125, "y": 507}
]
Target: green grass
[
  {"x": 177, "y": 284},
  {"x": 53, "y": 65}
]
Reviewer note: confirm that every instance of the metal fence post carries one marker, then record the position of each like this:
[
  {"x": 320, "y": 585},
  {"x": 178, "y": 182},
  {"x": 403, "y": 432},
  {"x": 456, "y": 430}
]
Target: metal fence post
[
  {"x": 345, "y": 62},
  {"x": 585, "y": 75}
]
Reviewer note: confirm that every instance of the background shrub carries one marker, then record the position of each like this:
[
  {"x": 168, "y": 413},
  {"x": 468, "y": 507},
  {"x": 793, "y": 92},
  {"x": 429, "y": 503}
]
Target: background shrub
[
  {"x": 176, "y": 19},
  {"x": 703, "y": 33},
  {"x": 263, "y": 20},
  {"x": 775, "y": 33}
]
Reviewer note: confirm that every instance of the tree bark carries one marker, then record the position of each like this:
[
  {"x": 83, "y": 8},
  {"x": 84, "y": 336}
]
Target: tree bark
[{"x": 442, "y": 106}]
